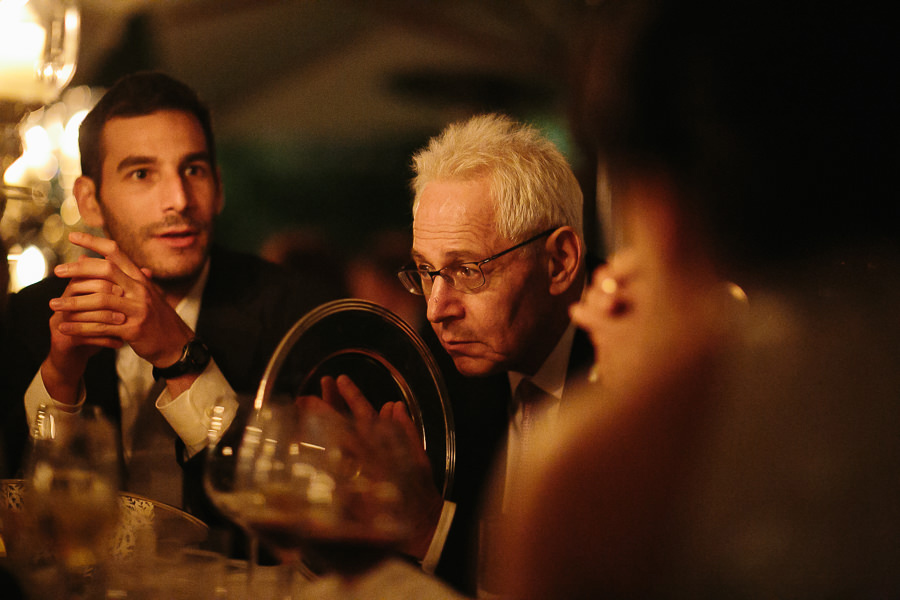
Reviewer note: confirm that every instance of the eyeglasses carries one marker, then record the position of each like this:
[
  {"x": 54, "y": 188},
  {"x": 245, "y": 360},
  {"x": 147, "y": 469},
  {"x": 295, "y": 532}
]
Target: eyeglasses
[{"x": 465, "y": 277}]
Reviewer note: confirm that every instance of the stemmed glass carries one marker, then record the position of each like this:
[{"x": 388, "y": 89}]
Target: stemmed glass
[
  {"x": 225, "y": 439},
  {"x": 72, "y": 495},
  {"x": 324, "y": 493}
]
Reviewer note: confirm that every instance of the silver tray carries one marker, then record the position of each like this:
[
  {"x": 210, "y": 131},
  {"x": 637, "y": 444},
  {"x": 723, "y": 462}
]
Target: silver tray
[{"x": 383, "y": 355}]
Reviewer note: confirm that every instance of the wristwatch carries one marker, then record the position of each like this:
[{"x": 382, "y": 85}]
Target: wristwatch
[{"x": 194, "y": 358}]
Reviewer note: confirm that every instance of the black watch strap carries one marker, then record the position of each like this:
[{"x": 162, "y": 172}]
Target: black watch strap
[{"x": 194, "y": 358}]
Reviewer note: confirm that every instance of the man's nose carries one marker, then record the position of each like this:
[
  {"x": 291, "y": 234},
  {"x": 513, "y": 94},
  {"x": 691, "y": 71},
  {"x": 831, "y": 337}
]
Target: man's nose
[
  {"x": 443, "y": 301},
  {"x": 176, "y": 194}
]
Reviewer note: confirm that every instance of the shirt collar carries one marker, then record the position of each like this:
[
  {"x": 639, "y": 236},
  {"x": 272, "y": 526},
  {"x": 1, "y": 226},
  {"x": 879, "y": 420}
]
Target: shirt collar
[
  {"x": 551, "y": 377},
  {"x": 188, "y": 308}
]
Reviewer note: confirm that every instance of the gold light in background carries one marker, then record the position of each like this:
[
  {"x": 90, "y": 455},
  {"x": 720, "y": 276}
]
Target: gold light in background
[
  {"x": 48, "y": 167},
  {"x": 38, "y": 53},
  {"x": 38, "y": 49}
]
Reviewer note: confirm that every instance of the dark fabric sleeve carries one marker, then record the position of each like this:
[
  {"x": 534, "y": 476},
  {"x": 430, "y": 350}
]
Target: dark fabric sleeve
[{"x": 26, "y": 342}]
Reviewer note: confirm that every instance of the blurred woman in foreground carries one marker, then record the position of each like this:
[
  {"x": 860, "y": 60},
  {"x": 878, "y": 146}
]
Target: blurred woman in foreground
[{"x": 746, "y": 325}]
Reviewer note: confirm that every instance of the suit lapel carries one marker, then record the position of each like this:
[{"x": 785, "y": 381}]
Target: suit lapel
[{"x": 223, "y": 321}]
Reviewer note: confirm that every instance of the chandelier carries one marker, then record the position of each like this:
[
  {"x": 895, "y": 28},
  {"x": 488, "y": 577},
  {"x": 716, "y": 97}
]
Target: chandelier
[{"x": 38, "y": 53}]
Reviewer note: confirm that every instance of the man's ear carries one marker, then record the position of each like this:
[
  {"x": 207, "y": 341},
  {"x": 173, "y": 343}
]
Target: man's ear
[
  {"x": 566, "y": 254},
  {"x": 85, "y": 191}
]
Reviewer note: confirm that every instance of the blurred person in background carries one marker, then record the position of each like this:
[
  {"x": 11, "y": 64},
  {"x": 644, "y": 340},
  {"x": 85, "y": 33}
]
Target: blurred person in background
[
  {"x": 156, "y": 322},
  {"x": 498, "y": 254},
  {"x": 372, "y": 275},
  {"x": 310, "y": 254},
  {"x": 746, "y": 324}
]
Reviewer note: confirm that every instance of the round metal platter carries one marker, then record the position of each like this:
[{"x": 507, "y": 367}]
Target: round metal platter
[{"x": 383, "y": 355}]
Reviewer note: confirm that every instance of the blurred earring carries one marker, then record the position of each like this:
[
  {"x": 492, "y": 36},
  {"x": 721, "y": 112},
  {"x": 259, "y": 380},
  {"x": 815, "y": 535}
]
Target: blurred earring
[
  {"x": 608, "y": 285},
  {"x": 736, "y": 292}
]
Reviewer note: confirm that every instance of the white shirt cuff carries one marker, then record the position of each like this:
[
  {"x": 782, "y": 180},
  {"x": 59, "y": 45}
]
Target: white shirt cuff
[
  {"x": 433, "y": 555},
  {"x": 189, "y": 414},
  {"x": 37, "y": 394}
]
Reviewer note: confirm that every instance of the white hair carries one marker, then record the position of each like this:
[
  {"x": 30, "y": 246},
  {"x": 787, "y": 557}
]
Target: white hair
[{"x": 532, "y": 185}]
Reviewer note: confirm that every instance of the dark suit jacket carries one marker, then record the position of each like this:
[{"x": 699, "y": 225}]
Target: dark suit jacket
[
  {"x": 481, "y": 413},
  {"x": 248, "y": 305}
]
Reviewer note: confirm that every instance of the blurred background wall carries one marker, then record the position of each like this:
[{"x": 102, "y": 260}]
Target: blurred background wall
[{"x": 318, "y": 104}]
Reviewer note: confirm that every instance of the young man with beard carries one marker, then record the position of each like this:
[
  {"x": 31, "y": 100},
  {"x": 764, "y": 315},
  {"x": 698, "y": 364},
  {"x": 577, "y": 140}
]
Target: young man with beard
[{"x": 155, "y": 323}]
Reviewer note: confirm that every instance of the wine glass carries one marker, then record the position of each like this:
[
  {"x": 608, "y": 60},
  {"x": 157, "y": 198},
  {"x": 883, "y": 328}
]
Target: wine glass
[
  {"x": 72, "y": 495},
  {"x": 324, "y": 493},
  {"x": 225, "y": 436}
]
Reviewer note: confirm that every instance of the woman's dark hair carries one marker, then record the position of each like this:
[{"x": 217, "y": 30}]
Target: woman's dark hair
[{"x": 777, "y": 121}]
